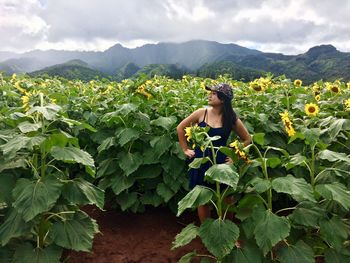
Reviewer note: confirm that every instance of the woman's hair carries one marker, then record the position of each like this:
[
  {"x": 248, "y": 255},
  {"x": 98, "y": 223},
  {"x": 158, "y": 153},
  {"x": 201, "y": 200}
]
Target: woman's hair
[{"x": 229, "y": 116}]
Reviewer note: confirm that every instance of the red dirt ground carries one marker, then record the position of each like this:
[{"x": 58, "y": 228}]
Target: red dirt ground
[{"x": 134, "y": 238}]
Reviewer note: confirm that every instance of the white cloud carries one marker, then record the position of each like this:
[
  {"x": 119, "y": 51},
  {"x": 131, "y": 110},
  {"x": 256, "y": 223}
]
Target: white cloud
[{"x": 289, "y": 26}]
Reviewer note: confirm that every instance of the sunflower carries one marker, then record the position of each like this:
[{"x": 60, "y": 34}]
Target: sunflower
[
  {"x": 256, "y": 86},
  {"x": 298, "y": 82},
  {"x": 335, "y": 89},
  {"x": 240, "y": 153},
  {"x": 347, "y": 104},
  {"x": 311, "y": 109},
  {"x": 188, "y": 133},
  {"x": 317, "y": 97},
  {"x": 288, "y": 125},
  {"x": 348, "y": 85}
]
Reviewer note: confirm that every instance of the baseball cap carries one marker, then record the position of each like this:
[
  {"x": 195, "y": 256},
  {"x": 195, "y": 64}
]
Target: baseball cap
[{"x": 224, "y": 88}]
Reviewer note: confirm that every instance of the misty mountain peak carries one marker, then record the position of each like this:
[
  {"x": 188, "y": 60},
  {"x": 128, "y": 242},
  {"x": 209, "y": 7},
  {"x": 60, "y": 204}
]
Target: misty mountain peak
[{"x": 322, "y": 49}]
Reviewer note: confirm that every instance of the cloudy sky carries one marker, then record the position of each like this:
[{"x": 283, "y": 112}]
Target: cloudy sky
[{"x": 286, "y": 26}]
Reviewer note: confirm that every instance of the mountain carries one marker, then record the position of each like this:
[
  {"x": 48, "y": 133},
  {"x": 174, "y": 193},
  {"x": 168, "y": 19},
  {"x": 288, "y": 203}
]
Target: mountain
[
  {"x": 198, "y": 57},
  {"x": 73, "y": 69}
]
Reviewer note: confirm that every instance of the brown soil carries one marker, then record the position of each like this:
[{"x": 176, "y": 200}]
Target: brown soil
[{"x": 132, "y": 238}]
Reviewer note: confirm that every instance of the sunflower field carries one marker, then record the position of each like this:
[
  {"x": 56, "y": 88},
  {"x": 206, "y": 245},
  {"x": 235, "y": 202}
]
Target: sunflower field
[{"x": 65, "y": 144}]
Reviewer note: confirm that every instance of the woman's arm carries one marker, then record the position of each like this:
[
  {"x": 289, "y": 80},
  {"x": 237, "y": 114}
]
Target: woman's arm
[
  {"x": 242, "y": 132},
  {"x": 190, "y": 120}
]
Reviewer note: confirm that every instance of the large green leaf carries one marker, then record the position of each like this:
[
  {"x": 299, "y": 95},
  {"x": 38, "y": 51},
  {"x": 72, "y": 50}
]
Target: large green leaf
[
  {"x": 334, "y": 231},
  {"x": 129, "y": 162},
  {"x": 151, "y": 198},
  {"x": 34, "y": 197},
  {"x": 307, "y": 214},
  {"x": 335, "y": 191},
  {"x": 72, "y": 155},
  {"x": 127, "y": 135},
  {"x": 300, "y": 252},
  {"x": 6, "y": 255},
  {"x": 15, "y": 163},
  {"x": 165, "y": 191},
  {"x": 161, "y": 144},
  {"x": 223, "y": 173},
  {"x": 27, "y": 253},
  {"x": 49, "y": 112},
  {"x": 298, "y": 188},
  {"x": 13, "y": 226},
  {"x": 333, "y": 156},
  {"x": 248, "y": 253},
  {"x": 165, "y": 122},
  {"x": 261, "y": 185},
  {"x": 106, "y": 144},
  {"x": 7, "y": 183},
  {"x": 126, "y": 200},
  {"x": 79, "y": 191},
  {"x": 199, "y": 195},
  {"x": 219, "y": 236},
  {"x": 27, "y": 126},
  {"x": 270, "y": 229},
  {"x": 332, "y": 256},
  {"x": 186, "y": 235},
  {"x": 119, "y": 183},
  {"x": 197, "y": 162},
  {"x": 295, "y": 160},
  {"x": 336, "y": 127},
  {"x": 59, "y": 139},
  {"x": 75, "y": 233},
  {"x": 13, "y": 145}
]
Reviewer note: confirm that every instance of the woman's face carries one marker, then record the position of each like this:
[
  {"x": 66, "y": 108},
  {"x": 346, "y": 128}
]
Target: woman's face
[{"x": 213, "y": 99}]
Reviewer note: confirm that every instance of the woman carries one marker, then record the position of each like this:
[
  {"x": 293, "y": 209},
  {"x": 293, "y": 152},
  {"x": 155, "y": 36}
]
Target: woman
[{"x": 221, "y": 119}]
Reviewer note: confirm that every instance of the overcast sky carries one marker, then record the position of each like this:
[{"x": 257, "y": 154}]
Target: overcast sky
[{"x": 286, "y": 26}]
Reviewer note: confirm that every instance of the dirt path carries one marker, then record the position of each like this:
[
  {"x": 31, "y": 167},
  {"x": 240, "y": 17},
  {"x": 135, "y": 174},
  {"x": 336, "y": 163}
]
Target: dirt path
[{"x": 132, "y": 238}]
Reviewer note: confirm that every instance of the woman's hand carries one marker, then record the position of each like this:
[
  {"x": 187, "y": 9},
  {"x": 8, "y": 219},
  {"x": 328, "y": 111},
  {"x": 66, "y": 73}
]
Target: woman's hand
[
  {"x": 189, "y": 153},
  {"x": 228, "y": 160}
]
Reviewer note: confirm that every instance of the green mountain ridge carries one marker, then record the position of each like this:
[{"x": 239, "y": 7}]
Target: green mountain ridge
[{"x": 197, "y": 57}]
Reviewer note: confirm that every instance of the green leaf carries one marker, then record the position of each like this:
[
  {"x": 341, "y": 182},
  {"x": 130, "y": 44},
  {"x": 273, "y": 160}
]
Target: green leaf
[
  {"x": 25, "y": 253},
  {"x": 13, "y": 226},
  {"x": 333, "y": 156},
  {"x": 270, "y": 229},
  {"x": 127, "y": 135},
  {"x": 49, "y": 112},
  {"x": 6, "y": 255},
  {"x": 106, "y": 144},
  {"x": 260, "y": 185},
  {"x": 298, "y": 188},
  {"x": 119, "y": 183},
  {"x": 34, "y": 197},
  {"x": 219, "y": 236},
  {"x": 259, "y": 138},
  {"x": 249, "y": 253},
  {"x": 161, "y": 144},
  {"x": 199, "y": 195},
  {"x": 129, "y": 162},
  {"x": 13, "y": 164},
  {"x": 186, "y": 235},
  {"x": 335, "y": 128},
  {"x": 7, "y": 183},
  {"x": 59, "y": 139},
  {"x": 79, "y": 191},
  {"x": 332, "y": 256},
  {"x": 307, "y": 214},
  {"x": 165, "y": 122},
  {"x": 165, "y": 192},
  {"x": 126, "y": 200},
  {"x": 295, "y": 160},
  {"x": 72, "y": 155},
  {"x": 223, "y": 173},
  {"x": 300, "y": 252},
  {"x": 188, "y": 257},
  {"x": 334, "y": 231},
  {"x": 27, "y": 126},
  {"x": 13, "y": 145},
  {"x": 150, "y": 198},
  {"x": 312, "y": 135},
  {"x": 335, "y": 191},
  {"x": 197, "y": 162},
  {"x": 76, "y": 233},
  {"x": 273, "y": 162}
]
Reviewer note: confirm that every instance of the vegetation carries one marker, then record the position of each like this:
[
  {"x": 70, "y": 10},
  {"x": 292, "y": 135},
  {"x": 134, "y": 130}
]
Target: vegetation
[{"x": 65, "y": 144}]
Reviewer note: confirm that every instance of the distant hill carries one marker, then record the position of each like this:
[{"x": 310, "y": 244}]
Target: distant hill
[
  {"x": 74, "y": 69},
  {"x": 198, "y": 57}
]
